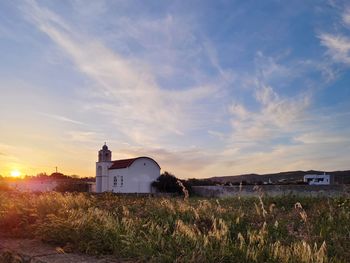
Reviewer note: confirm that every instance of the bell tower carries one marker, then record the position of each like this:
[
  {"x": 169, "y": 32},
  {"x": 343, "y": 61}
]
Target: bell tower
[
  {"x": 104, "y": 155},
  {"x": 104, "y": 162}
]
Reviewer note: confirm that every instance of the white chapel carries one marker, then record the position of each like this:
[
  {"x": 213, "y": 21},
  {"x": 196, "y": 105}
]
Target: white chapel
[{"x": 125, "y": 176}]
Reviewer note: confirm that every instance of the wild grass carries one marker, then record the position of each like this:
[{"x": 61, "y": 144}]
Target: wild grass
[{"x": 279, "y": 229}]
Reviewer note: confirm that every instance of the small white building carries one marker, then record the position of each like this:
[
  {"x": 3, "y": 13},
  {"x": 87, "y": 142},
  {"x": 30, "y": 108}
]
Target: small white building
[
  {"x": 317, "y": 179},
  {"x": 125, "y": 176}
]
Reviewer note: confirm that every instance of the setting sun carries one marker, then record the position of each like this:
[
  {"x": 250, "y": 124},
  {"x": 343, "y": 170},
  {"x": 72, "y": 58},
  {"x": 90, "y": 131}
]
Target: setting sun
[{"x": 15, "y": 173}]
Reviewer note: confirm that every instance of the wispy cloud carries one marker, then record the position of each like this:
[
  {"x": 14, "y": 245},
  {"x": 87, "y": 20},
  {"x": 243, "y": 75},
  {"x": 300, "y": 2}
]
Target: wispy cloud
[
  {"x": 84, "y": 136},
  {"x": 338, "y": 43},
  {"x": 188, "y": 163},
  {"x": 137, "y": 105},
  {"x": 338, "y": 47},
  {"x": 61, "y": 118},
  {"x": 346, "y": 16},
  {"x": 275, "y": 115},
  {"x": 8, "y": 153},
  {"x": 275, "y": 119},
  {"x": 322, "y": 137}
]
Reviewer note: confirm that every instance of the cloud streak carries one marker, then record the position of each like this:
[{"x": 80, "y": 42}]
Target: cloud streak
[
  {"x": 274, "y": 116},
  {"x": 338, "y": 47},
  {"x": 137, "y": 105},
  {"x": 61, "y": 118},
  {"x": 205, "y": 95}
]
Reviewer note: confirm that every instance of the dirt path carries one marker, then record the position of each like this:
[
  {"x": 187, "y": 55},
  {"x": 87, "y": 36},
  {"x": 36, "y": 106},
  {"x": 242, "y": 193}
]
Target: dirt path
[{"x": 34, "y": 251}]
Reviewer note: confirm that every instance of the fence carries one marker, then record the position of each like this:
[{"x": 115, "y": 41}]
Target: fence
[{"x": 272, "y": 190}]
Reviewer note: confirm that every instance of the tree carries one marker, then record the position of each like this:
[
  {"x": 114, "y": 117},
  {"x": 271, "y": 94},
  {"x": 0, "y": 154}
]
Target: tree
[
  {"x": 167, "y": 183},
  {"x": 42, "y": 175},
  {"x": 58, "y": 176}
]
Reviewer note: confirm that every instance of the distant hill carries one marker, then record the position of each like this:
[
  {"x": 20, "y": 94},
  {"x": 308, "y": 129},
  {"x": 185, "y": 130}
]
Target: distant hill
[{"x": 282, "y": 177}]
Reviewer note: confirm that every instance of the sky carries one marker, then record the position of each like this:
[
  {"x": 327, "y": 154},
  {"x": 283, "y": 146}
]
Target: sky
[{"x": 206, "y": 88}]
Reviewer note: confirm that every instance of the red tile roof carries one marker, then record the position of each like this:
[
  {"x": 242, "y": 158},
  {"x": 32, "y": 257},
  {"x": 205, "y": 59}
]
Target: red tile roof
[{"x": 120, "y": 164}]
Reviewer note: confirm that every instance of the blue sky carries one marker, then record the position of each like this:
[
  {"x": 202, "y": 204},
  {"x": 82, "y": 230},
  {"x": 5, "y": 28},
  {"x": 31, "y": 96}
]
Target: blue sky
[{"x": 204, "y": 87}]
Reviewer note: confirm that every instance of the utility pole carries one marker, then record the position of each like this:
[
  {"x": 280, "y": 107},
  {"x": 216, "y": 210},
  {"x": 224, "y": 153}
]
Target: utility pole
[{"x": 56, "y": 169}]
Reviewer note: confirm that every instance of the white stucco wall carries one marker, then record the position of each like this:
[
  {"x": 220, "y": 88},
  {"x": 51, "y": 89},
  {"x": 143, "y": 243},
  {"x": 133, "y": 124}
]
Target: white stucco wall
[
  {"x": 142, "y": 173},
  {"x": 119, "y": 173},
  {"x": 102, "y": 176},
  {"x": 137, "y": 178}
]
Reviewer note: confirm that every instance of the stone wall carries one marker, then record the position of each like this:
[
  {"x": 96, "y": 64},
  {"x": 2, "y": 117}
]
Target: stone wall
[
  {"x": 33, "y": 185},
  {"x": 272, "y": 190}
]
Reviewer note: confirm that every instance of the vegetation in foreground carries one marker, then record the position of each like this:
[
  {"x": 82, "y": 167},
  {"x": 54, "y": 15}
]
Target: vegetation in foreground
[{"x": 283, "y": 229}]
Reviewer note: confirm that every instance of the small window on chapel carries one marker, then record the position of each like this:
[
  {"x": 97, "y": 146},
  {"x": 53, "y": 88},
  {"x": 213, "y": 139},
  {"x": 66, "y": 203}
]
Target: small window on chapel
[
  {"x": 115, "y": 181},
  {"x": 121, "y": 181}
]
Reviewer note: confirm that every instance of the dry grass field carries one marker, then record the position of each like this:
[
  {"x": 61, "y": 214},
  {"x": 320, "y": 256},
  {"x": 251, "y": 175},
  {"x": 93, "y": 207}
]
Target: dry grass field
[{"x": 146, "y": 229}]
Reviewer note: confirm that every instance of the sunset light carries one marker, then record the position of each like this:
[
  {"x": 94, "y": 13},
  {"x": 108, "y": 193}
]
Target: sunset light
[
  {"x": 15, "y": 173},
  {"x": 175, "y": 131}
]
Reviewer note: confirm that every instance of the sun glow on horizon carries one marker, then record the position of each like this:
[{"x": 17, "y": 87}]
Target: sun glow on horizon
[{"x": 15, "y": 173}]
